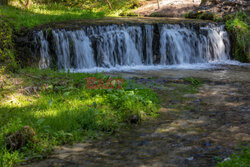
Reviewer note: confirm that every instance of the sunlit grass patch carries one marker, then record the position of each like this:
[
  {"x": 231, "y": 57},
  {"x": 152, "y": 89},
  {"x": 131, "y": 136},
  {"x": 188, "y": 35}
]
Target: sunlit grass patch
[
  {"x": 41, "y": 14},
  {"x": 60, "y": 109}
]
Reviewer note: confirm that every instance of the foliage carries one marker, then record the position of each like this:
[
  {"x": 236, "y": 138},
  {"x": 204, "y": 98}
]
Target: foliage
[
  {"x": 238, "y": 28},
  {"x": 195, "y": 82},
  {"x": 156, "y": 14},
  {"x": 61, "y": 110},
  {"x": 41, "y": 14},
  {"x": 203, "y": 15},
  {"x": 128, "y": 13},
  {"x": 117, "y": 6},
  {"x": 240, "y": 159},
  {"x": 7, "y": 59}
]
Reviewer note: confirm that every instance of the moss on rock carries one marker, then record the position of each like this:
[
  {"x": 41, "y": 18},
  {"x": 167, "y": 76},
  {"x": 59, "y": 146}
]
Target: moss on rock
[
  {"x": 7, "y": 58},
  {"x": 238, "y": 27}
]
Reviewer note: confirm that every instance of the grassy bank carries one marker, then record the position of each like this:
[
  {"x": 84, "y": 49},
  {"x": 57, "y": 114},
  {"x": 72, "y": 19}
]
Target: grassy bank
[
  {"x": 57, "y": 108},
  {"x": 41, "y": 14},
  {"x": 7, "y": 57},
  {"x": 47, "y": 11}
]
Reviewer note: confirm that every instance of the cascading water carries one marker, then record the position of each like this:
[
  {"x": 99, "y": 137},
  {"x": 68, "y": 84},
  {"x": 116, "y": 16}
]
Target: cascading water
[
  {"x": 122, "y": 45},
  {"x": 44, "y": 50}
]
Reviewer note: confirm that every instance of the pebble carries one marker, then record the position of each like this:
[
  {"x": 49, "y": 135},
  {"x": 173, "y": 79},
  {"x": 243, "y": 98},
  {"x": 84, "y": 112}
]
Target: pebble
[
  {"x": 226, "y": 159},
  {"x": 190, "y": 158}
]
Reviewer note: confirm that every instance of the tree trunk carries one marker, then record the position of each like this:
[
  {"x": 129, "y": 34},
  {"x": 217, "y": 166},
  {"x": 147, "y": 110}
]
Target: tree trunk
[
  {"x": 28, "y": 4},
  {"x": 158, "y": 2},
  {"x": 109, "y": 4}
]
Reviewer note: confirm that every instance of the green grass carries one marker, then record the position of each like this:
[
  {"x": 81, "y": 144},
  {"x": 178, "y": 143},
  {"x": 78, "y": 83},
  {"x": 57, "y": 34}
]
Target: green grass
[
  {"x": 194, "y": 81},
  {"x": 47, "y": 12},
  {"x": 240, "y": 159},
  {"x": 7, "y": 58},
  {"x": 41, "y": 14},
  {"x": 61, "y": 110}
]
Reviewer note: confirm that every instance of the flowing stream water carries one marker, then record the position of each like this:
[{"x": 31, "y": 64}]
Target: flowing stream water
[{"x": 127, "y": 47}]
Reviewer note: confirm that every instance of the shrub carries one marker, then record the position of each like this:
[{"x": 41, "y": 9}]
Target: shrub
[
  {"x": 7, "y": 59},
  {"x": 128, "y": 13},
  {"x": 238, "y": 27},
  {"x": 156, "y": 14}
]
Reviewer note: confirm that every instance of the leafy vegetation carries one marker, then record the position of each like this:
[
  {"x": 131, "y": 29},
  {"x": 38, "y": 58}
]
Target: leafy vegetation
[
  {"x": 240, "y": 159},
  {"x": 43, "y": 11},
  {"x": 7, "y": 59},
  {"x": 238, "y": 28},
  {"x": 203, "y": 16},
  {"x": 60, "y": 109},
  {"x": 156, "y": 14},
  {"x": 194, "y": 82},
  {"x": 41, "y": 14}
]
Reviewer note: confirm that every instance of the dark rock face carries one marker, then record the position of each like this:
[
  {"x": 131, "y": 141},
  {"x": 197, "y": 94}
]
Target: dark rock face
[
  {"x": 26, "y": 50},
  {"x": 146, "y": 38}
]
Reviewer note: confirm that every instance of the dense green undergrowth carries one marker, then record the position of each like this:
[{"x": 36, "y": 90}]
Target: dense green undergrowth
[
  {"x": 60, "y": 109},
  {"x": 238, "y": 159},
  {"x": 7, "y": 58},
  {"x": 238, "y": 27}
]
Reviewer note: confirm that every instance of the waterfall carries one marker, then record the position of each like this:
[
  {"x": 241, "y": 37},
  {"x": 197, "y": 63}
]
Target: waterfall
[
  {"x": 45, "y": 59},
  {"x": 132, "y": 45}
]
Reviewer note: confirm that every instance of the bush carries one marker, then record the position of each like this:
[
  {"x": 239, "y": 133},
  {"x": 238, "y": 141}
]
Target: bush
[
  {"x": 7, "y": 58},
  {"x": 238, "y": 27},
  {"x": 156, "y": 14},
  {"x": 203, "y": 15},
  {"x": 128, "y": 13}
]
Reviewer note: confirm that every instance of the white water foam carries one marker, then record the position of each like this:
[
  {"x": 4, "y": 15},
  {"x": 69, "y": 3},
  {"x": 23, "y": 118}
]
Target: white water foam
[{"x": 131, "y": 48}]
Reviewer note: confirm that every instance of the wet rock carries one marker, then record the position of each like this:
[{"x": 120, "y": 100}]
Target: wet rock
[
  {"x": 197, "y": 102},
  {"x": 175, "y": 101},
  {"x": 135, "y": 119},
  {"x": 207, "y": 143},
  {"x": 190, "y": 95},
  {"x": 190, "y": 158},
  {"x": 140, "y": 143},
  {"x": 226, "y": 159},
  {"x": 193, "y": 110}
]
